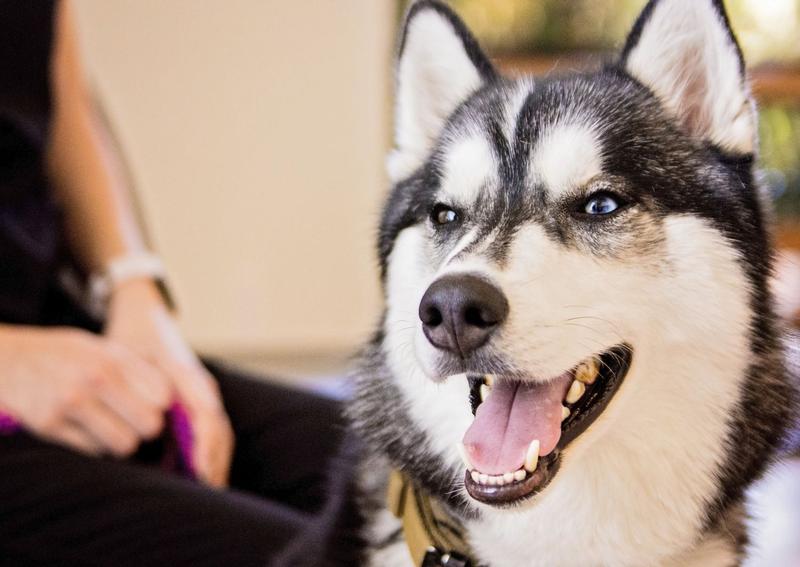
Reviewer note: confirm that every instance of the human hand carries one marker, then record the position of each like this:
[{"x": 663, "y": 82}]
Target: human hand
[
  {"x": 139, "y": 320},
  {"x": 74, "y": 388}
]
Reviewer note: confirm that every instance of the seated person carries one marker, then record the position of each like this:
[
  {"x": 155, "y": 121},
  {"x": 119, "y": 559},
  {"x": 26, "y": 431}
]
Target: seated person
[{"x": 89, "y": 397}]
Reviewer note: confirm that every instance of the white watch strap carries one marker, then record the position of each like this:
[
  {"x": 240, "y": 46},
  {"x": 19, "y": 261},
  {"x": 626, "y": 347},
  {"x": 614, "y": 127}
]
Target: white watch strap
[
  {"x": 134, "y": 266},
  {"x": 121, "y": 270}
]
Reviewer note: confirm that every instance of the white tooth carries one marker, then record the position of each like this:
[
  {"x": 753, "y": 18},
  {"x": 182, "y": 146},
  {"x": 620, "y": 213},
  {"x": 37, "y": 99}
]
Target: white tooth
[
  {"x": 587, "y": 371},
  {"x": 564, "y": 412},
  {"x": 508, "y": 477},
  {"x": 576, "y": 390},
  {"x": 464, "y": 457},
  {"x": 520, "y": 475},
  {"x": 476, "y": 477},
  {"x": 492, "y": 480},
  {"x": 484, "y": 478},
  {"x": 532, "y": 457},
  {"x": 485, "y": 391},
  {"x": 489, "y": 379},
  {"x": 500, "y": 480}
]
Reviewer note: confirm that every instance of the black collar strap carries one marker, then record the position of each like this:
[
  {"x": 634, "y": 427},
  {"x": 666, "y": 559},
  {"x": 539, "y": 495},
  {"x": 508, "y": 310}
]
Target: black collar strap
[{"x": 433, "y": 538}]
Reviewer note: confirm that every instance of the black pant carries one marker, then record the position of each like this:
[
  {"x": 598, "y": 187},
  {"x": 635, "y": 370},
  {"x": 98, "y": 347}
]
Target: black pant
[{"x": 61, "y": 508}]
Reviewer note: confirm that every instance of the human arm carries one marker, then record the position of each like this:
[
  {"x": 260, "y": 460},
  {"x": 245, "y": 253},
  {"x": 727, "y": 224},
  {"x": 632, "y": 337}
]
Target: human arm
[{"x": 142, "y": 348}]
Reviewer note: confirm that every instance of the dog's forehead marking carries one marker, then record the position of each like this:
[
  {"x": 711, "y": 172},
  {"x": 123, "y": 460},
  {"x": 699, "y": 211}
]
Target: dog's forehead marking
[
  {"x": 461, "y": 245},
  {"x": 468, "y": 165},
  {"x": 514, "y": 103},
  {"x": 566, "y": 156}
]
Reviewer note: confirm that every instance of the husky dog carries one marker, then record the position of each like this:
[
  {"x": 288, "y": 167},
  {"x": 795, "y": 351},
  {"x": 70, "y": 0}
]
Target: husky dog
[{"x": 578, "y": 363}]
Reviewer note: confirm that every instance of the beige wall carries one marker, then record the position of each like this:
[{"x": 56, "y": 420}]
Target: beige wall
[{"x": 255, "y": 131}]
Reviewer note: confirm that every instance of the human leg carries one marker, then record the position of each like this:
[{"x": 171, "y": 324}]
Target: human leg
[{"x": 61, "y": 508}]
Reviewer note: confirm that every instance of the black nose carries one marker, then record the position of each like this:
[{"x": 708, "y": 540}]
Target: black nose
[{"x": 459, "y": 313}]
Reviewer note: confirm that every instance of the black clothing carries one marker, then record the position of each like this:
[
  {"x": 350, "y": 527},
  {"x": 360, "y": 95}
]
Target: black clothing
[
  {"x": 30, "y": 224},
  {"x": 61, "y": 508}
]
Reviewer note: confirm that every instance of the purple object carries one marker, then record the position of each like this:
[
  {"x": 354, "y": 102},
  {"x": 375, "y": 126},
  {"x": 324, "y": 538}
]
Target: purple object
[
  {"x": 8, "y": 424},
  {"x": 180, "y": 440},
  {"x": 181, "y": 429}
]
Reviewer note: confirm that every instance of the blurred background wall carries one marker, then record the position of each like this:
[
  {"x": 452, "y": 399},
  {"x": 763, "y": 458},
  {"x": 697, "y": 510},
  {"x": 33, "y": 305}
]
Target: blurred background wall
[{"x": 255, "y": 132}]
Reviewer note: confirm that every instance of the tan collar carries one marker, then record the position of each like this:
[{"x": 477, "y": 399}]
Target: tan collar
[{"x": 433, "y": 537}]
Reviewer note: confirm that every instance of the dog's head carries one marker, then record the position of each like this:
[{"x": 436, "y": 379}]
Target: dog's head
[{"x": 575, "y": 266}]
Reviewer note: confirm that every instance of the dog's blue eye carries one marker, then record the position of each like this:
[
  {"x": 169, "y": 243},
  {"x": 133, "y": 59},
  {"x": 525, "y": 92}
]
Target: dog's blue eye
[
  {"x": 442, "y": 214},
  {"x": 600, "y": 205}
]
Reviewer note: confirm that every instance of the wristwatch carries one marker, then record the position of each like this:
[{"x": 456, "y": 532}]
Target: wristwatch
[{"x": 123, "y": 269}]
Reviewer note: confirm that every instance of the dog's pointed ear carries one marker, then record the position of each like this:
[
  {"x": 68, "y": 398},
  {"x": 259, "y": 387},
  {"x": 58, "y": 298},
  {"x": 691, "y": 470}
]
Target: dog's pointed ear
[
  {"x": 439, "y": 66},
  {"x": 686, "y": 53}
]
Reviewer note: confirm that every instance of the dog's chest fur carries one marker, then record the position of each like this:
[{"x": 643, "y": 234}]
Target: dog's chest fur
[{"x": 525, "y": 541}]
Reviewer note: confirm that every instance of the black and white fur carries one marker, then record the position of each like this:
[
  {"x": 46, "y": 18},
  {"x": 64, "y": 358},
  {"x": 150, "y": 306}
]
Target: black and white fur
[{"x": 681, "y": 275}]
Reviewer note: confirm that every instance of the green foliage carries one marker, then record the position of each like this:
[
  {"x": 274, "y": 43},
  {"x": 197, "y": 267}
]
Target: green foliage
[
  {"x": 767, "y": 30},
  {"x": 780, "y": 156}
]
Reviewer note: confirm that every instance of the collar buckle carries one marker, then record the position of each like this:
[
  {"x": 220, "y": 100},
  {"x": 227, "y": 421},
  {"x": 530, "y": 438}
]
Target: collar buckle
[{"x": 435, "y": 558}]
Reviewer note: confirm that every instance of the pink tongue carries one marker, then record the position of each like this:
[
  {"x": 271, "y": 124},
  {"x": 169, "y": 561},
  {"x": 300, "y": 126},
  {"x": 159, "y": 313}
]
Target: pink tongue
[{"x": 513, "y": 415}]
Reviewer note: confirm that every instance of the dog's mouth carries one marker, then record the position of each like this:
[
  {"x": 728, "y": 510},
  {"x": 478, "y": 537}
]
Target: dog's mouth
[{"x": 512, "y": 449}]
